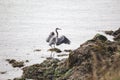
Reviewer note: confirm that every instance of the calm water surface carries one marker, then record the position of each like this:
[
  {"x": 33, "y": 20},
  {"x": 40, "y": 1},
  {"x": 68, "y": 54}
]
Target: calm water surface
[{"x": 25, "y": 24}]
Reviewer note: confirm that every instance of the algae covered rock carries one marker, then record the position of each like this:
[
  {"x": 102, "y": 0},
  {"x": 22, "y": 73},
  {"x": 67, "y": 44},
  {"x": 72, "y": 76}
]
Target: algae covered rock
[
  {"x": 55, "y": 50},
  {"x": 15, "y": 63},
  {"x": 100, "y": 37},
  {"x": 69, "y": 50},
  {"x": 108, "y": 32},
  {"x": 43, "y": 71}
]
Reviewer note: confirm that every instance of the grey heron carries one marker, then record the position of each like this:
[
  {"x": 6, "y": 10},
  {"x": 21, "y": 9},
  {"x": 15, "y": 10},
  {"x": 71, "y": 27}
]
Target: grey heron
[{"x": 56, "y": 40}]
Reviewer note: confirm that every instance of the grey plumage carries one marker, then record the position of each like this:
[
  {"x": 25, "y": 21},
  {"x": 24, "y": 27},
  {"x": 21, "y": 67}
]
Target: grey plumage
[
  {"x": 50, "y": 37},
  {"x": 52, "y": 41},
  {"x": 62, "y": 40},
  {"x": 55, "y": 40}
]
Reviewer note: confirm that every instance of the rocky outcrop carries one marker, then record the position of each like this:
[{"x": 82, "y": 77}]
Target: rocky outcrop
[
  {"x": 96, "y": 59},
  {"x": 15, "y": 63},
  {"x": 116, "y": 34}
]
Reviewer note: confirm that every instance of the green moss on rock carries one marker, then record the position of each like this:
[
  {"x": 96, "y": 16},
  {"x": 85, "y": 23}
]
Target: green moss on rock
[{"x": 55, "y": 50}]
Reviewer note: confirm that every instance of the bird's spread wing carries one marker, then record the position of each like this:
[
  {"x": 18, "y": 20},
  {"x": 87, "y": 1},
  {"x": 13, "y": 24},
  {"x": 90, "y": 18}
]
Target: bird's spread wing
[
  {"x": 64, "y": 40},
  {"x": 50, "y": 36}
]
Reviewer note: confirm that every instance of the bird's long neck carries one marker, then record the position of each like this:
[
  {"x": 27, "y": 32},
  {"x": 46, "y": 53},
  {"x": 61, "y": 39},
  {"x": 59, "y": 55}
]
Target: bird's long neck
[{"x": 56, "y": 33}]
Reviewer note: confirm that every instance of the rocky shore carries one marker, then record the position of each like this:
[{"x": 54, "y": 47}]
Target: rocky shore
[{"x": 96, "y": 59}]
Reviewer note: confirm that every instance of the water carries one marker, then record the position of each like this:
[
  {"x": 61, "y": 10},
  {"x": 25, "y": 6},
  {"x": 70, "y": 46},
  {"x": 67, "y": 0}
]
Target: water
[{"x": 25, "y": 24}]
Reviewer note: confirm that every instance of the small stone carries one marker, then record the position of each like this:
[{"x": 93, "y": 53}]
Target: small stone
[
  {"x": 69, "y": 50},
  {"x": 61, "y": 55},
  {"x": 37, "y": 50},
  {"x": 27, "y": 61},
  {"x": 3, "y": 72}
]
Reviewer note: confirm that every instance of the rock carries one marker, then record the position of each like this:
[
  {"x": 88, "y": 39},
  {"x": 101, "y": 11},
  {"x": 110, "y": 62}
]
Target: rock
[
  {"x": 15, "y": 63},
  {"x": 3, "y": 72},
  {"x": 117, "y": 37},
  {"x": 11, "y": 60},
  {"x": 27, "y": 61},
  {"x": 37, "y": 50},
  {"x": 108, "y": 32},
  {"x": 55, "y": 50},
  {"x": 67, "y": 50},
  {"x": 61, "y": 55},
  {"x": 43, "y": 71},
  {"x": 91, "y": 57},
  {"x": 19, "y": 79},
  {"x": 116, "y": 32},
  {"x": 100, "y": 37}
]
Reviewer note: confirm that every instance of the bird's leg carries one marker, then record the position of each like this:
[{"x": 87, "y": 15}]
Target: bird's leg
[
  {"x": 51, "y": 51},
  {"x": 54, "y": 46},
  {"x": 51, "y": 54},
  {"x": 51, "y": 46}
]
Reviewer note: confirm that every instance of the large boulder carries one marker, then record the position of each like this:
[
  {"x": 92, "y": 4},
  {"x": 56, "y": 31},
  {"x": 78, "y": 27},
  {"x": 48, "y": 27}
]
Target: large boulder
[{"x": 96, "y": 59}]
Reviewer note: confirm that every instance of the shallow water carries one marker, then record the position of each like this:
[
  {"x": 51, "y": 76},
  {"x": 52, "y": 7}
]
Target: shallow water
[{"x": 25, "y": 24}]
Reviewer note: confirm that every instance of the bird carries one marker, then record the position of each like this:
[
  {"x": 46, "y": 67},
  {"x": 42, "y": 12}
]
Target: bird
[{"x": 55, "y": 40}]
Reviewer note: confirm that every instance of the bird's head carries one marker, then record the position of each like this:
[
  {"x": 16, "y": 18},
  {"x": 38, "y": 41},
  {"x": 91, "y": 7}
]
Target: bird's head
[
  {"x": 58, "y": 29},
  {"x": 52, "y": 33}
]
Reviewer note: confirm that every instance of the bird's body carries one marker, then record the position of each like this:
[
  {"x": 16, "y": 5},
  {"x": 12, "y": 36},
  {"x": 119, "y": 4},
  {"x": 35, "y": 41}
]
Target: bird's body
[
  {"x": 50, "y": 37},
  {"x": 56, "y": 40},
  {"x": 62, "y": 40}
]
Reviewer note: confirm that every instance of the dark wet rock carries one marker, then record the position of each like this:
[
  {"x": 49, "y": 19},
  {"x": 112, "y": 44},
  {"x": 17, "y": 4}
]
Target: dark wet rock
[
  {"x": 3, "y": 72},
  {"x": 69, "y": 50},
  {"x": 19, "y": 79},
  {"x": 117, "y": 37},
  {"x": 37, "y": 50},
  {"x": 15, "y": 63},
  {"x": 55, "y": 50},
  {"x": 96, "y": 59},
  {"x": 100, "y": 37},
  {"x": 116, "y": 32},
  {"x": 108, "y": 32},
  {"x": 61, "y": 55},
  {"x": 27, "y": 61},
  {"x": 48, "y": 58}
]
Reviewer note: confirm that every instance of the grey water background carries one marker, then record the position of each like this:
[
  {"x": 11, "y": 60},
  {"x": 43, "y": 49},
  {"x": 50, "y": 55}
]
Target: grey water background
[{"x": 25, "y": 25}]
